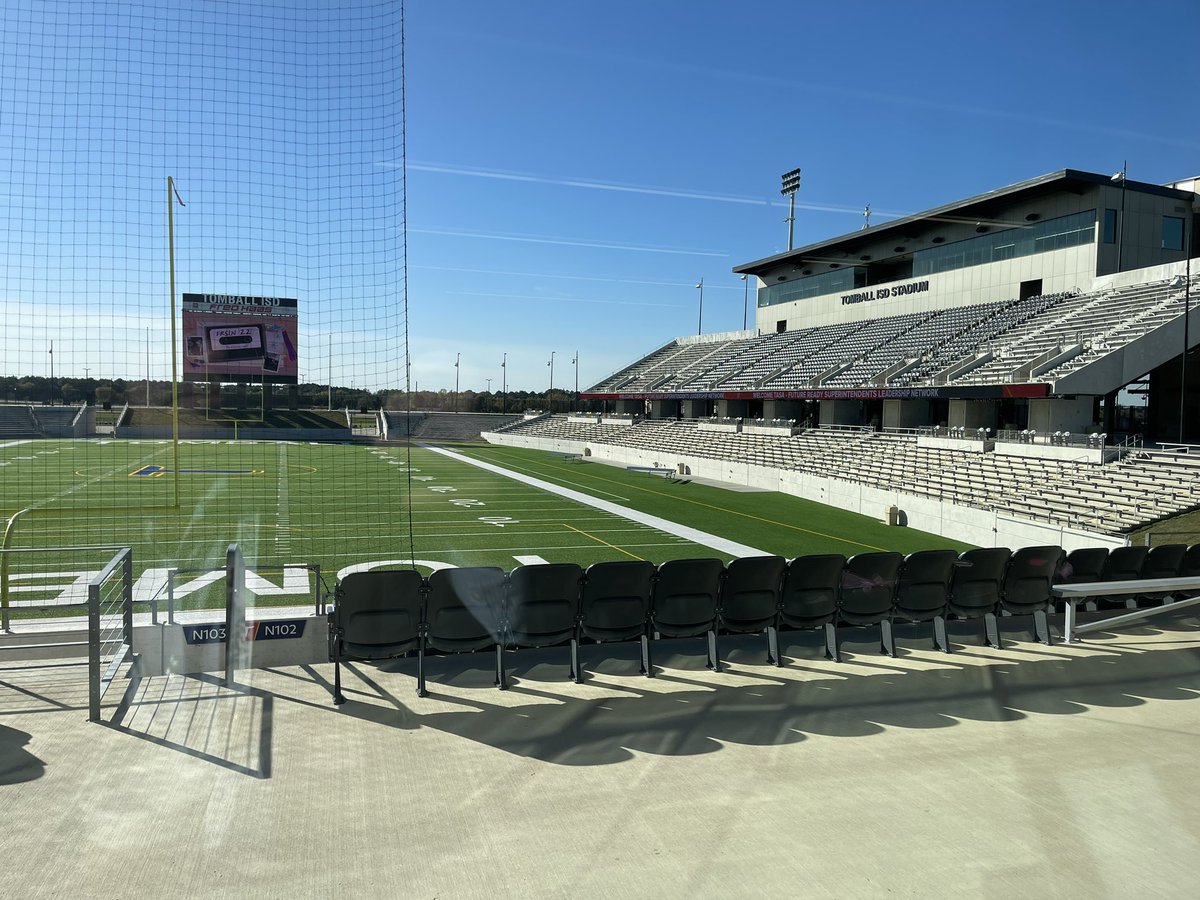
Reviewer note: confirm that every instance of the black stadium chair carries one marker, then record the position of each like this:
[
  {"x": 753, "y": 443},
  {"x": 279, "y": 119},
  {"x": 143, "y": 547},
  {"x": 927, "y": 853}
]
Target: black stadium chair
[
  {"x": 750, "y": 598},
  {"x": 685, "y": 601},
  {"x": 615, "y": 605},
  {"x": 376, "y": 615},
  {"x": 1191, "y": 567},
  {"x": 543, "y": 607},
  {"x": 976, "y": 586},
  {"x": 1123, "y": 564},
  {"x": 924, "y": 590},
  {"x": 1163, "y": 561},
  {"x": 809, "y": 599},
  {"x": 868, "y": 592},
  {"x": 465, "y": 612},
  {"x": 1027, "y": 586},
  {"x": 1082, "y": 566}
]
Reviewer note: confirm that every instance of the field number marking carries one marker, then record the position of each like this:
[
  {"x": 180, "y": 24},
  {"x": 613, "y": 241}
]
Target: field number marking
[
  {"x": 444, "y": 489},
  {"x": 499, "y": 521},
  {"x": 468, "y": 503}
]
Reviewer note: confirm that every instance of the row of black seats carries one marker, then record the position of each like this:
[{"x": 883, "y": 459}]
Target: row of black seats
[
  {"x": 1090, "y": 565},
  {"x": 383, "y": 614}
]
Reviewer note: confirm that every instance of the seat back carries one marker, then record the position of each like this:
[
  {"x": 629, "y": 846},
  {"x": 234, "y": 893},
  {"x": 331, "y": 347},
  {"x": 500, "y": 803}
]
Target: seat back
[
  {"x": 465, "y": 608},
  {"x": 978, "y": 580},
  {"x": 810, "y": 590},
  {"x": 378, "y": 613},
  {"x": 924, "y": 586},
  {"x": 615, "y": 602},
  {"x": 543, "y": 603},
  {"x": 1191, "y": 562},
  {"x": 1164, "y": 561},
  {"x": 750, "y": 592},
  {"x": 1029, "y": 578},
  {"x": 868, "y": 587},
  {"x": 1124, "y": 564},
  {"x": 1082, "y": 566},
  {"x": 685, "y": 596}
]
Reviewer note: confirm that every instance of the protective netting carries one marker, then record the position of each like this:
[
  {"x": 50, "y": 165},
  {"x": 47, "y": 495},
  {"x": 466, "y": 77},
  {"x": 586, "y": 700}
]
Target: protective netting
[{"x": 281, "y": 125}]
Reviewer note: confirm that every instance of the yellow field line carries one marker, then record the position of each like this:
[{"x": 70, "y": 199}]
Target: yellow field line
[
  {"x": 599, "y": 541},
  {"x": 721, "y": 509}
]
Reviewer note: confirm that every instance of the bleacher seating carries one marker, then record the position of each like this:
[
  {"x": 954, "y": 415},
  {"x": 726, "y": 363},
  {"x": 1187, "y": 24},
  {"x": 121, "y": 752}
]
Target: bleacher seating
[
  {"x": 439, "y": 426},
  {"x": 18, "y": 422},
  {"x": 1115, "y": 497},
  {"x": 384, "y": 614}
]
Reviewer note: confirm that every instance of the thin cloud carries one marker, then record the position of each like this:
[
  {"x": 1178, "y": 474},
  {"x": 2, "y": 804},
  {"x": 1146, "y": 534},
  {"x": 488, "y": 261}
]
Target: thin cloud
[
  {"x": 563, "y": 242},
  {"x": 681, "y": 284},
  {"x": 637, "y": 303}
]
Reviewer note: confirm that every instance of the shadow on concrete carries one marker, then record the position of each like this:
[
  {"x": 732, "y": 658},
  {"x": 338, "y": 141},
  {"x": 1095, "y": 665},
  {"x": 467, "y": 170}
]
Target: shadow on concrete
[
  {"x": 17, "y": 764},
  {"x": 191, "y": 714},
  {"x": 689, "y": 711}
]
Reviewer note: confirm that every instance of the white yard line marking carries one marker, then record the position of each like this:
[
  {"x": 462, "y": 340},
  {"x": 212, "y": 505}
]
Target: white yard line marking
[
  {"x": 530, "y": 560},
  {"x": 694, "y": 535}
]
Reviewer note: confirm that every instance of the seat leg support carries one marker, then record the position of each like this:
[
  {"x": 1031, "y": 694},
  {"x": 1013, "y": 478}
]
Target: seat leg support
[
  {"x": 831, "y": 643},
  {"x": 714, "y": 658},
  {"x": 773, "y": 646},
  {"x": 647, "y": 664},
  {"x": 940, "y": 641},
  {"x": 338, "y": 697},
  {"x": 501, "y": 682},
  {"x": 576, "y": 674},
  {"x": 991, "y": 630},
  {"x": 421, "y": 692},
  {"x": 887, "y": 641},
  {"x": 1041, "y": 626}
]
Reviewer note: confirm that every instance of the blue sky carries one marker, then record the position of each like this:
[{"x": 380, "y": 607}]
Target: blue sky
[
  {"x": 525, "y": 119},
  {"x": 573, "y": 169}
]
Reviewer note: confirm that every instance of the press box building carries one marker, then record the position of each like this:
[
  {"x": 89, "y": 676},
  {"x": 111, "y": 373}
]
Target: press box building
[{"x": 1030, "y": 306}]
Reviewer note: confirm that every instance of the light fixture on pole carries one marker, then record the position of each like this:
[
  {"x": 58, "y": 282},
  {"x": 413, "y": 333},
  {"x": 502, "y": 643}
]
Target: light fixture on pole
[
  {"x": 549, "y": 401},
  {"x": 50, "y": 393},
  {"x": 1120, "y": 177},
  {"x": 504, "y": 383},
  {"x": 457, "y": 359},
  {"x": 575, "y": 363},
  {"x": 700, "y": 321},
  {"x": 791, "y": 184},
  {"x": 745, "y": 301}
]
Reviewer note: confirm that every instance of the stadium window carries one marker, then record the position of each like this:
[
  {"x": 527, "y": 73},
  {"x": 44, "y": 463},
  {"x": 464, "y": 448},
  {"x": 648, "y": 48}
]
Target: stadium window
[
  {"x": 1110, "y": 226},
  {"x": 1172, "y": 233},
  {"x": 781, "y": 326}
]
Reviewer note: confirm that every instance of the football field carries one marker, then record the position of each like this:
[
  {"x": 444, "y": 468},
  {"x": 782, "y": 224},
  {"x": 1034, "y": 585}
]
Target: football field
[{"x": 346, "y": 506}]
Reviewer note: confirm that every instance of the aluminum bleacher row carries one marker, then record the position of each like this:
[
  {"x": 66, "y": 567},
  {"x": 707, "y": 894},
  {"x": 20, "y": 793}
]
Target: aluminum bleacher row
[
  {"x": 1113, "y": 497},
  {"x": 914, "y": 348},
  {"x": 386, "y": 614}
]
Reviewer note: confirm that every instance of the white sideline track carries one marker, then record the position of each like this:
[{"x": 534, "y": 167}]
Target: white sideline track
[{"x": 695, "y": 535}]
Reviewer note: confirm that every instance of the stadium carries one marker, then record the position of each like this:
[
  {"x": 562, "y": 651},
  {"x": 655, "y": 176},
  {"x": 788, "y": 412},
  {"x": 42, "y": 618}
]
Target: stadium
[{"x": 893, "y": 588}]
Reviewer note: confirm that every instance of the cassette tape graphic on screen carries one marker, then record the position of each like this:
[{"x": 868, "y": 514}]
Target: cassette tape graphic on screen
[{"x": 228, "y": 337}]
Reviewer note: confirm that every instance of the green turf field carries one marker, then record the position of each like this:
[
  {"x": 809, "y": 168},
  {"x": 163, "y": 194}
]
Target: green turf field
[{"x": 342, "y": 505}]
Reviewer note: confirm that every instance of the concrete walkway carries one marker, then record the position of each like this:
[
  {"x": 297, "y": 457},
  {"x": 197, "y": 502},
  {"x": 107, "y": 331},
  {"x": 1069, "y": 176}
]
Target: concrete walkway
[{"x": 1032, "y": 771}]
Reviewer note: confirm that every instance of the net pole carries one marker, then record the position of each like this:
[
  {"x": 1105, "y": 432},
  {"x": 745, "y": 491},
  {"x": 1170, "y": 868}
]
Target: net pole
[{"x": 174, "y": 349}]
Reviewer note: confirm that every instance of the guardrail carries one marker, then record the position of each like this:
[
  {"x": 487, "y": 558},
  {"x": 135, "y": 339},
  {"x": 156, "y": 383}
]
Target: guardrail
[
  {"x": 321, "y": 589},
  {"x": 110, "y": 626}
]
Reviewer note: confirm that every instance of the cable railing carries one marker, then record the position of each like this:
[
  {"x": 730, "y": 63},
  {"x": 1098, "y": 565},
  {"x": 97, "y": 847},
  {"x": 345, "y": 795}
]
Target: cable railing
[{"x": 110, "y": 626}]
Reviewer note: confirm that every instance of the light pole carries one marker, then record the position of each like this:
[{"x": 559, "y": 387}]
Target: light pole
[
  {"x": 575, "y": 363},
  {"x": 549, "y": 400},
  {"x": 1120, "y": 176},
  {"x": 700, "y": 321},
  {"x": 50, "y": 393},
  {"x": 504, "y": 384},
  {"x": 745, "y": 301},
  {"x": 147, "y": 368},
  {"x": 457, "y": 359},
  {"x": 791, "y": 184}
]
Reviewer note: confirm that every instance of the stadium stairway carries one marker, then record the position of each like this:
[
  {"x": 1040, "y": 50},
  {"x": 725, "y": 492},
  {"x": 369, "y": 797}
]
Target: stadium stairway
[{"x": 18, "y": 422}]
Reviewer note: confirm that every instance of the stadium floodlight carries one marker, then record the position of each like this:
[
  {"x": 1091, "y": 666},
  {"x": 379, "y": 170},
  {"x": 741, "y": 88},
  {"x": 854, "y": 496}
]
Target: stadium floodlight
[
  {"x": 791, "y": 184},
  {"x": 551, "y": 390},
  {"x": 457, "y": 360},
  {"x": 700, "y": 321},
  {"x": 504, "y": 383},
  {"x": 575, "y": 363}
]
